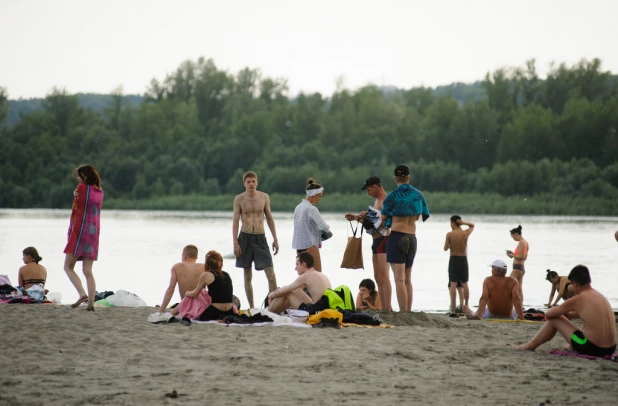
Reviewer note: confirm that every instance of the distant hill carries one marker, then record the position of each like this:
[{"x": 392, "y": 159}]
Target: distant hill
[{"x": 96, "y": 102}]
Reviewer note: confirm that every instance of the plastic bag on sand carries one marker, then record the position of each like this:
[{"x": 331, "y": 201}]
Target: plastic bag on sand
[
  {"x": 126, "y": 299},
  {"x": 55, "y": 297}
]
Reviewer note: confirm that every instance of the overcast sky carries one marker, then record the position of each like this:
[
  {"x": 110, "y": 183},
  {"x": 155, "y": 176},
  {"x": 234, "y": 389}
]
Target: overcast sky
[{"x": 95, "y": 46}]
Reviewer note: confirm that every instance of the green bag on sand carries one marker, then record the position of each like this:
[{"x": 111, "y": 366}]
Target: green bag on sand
[
  {"x": 103, "y": 302},
  {"x": 340, "y": 298}
]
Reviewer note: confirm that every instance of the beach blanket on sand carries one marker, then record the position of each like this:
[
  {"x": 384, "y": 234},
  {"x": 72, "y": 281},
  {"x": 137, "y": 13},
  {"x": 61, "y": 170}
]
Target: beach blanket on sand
[
  {"x": 613, "y": 358},
  {"x": 278, "y": 321},
  {"x": 84, "y": 228}
]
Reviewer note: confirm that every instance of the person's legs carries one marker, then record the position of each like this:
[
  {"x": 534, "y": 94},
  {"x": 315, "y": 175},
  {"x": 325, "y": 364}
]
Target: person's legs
[
  {"x": 408, "y": 282},
  {"x": 249, "y": 286},
  {"x": 315, "y": 253},
  {"x": 548, "y": 331},
  {"x": 90, "y": 282},
  {"x": 519, "y": 275},
  {"x": 385, "y": 289},
  {"x": 278, "y": 304},
  {"x": 399, "y": 273},
  {"x": 452, "y": 290},
  {"x": 297, "y": 297},
  {"x": 465, "y": 292},
  {"x": 69, "y": 268},
  {"x": 272, "y": 279}
]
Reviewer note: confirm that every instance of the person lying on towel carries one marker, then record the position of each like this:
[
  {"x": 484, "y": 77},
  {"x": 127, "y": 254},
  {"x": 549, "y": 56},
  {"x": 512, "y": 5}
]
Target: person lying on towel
[
  {"x": 500, "y": 298},
  {"x": 294, "y": 296},
  {"x": 592, "y": 308}
]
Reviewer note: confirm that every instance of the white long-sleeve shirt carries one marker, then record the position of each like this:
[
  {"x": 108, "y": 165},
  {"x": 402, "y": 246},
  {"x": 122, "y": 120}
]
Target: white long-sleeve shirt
[{"x": 307, "y": 225}]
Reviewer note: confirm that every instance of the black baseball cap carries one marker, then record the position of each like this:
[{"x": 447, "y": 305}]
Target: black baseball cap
[
  {"x": 402, "y": 170},
  {"x": 372, "y": 180}
]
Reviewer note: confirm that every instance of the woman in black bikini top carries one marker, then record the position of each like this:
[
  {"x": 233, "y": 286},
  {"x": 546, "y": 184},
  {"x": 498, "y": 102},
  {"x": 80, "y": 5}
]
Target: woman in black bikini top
[{"x": 32, "y": 272}]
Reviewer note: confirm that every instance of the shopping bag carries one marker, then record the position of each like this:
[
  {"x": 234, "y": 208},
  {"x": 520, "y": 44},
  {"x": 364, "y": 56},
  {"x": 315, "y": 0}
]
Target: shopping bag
[{"x": 353, "y": 255}]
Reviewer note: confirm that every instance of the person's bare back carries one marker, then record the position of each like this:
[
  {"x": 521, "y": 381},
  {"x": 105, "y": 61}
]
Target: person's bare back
[
  {"x": 500, "y": 298},
  {"x": 316, "y": 283},
  {"x": 187, "y": 275},
  {"x": 597, "y": 315},
  {"x": 183, "y": 275},
  {"x": 458, "y": 242}
]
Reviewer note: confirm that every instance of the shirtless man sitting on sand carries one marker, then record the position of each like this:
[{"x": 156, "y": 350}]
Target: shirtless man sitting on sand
[
  {"x": 293, "y": 295},
  {"x": 185, "y": 275},
  {"x": 500, "y": 298},
  {"x": 592, "y": 308}
]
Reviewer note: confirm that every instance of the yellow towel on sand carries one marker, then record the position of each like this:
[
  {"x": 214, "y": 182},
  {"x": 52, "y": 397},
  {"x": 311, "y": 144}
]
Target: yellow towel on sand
[{"x": 325, "y": 314}]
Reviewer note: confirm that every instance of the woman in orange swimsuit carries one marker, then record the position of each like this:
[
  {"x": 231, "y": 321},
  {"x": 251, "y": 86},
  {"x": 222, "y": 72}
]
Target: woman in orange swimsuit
[{"x": 519, "y": 257}]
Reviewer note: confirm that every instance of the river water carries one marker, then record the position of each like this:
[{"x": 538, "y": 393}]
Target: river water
[{"x": 138, "y": 248}]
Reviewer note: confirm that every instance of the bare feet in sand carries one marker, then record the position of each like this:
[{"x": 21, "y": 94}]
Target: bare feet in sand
[
  {"x": 79, "y": 301},
  {"x": 90, "y": 308},
  {"x": 524, "y": 347}
]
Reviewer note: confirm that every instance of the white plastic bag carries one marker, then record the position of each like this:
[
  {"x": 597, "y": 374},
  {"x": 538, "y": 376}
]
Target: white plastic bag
[
  {"x": 126, "y": 299},
  {"x": 55, "y": 297}
]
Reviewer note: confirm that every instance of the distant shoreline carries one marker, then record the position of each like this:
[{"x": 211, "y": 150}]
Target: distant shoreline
[{"x": 439, "y": 203}]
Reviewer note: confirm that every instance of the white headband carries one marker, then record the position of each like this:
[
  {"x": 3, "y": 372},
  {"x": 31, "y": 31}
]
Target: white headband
[{"x": 314, "y": 192}]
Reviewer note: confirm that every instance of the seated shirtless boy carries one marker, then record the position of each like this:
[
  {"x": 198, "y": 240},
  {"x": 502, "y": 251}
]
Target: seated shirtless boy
[
  {"x": 592, "y": 308},
  {"x": 293, "y": 295},
  {"x": 185, "y": 275}
]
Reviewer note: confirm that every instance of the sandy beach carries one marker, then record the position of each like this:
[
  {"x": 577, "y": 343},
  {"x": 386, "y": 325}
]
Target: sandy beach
[{"x": 55, "y": 355}]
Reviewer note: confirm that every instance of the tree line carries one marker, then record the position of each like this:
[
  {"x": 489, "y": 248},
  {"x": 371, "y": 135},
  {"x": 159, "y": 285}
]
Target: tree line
[{"x": 197, "y": 130}]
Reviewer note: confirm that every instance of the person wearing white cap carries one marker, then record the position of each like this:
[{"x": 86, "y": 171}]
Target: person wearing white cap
[{"x": 500, "y": 298}]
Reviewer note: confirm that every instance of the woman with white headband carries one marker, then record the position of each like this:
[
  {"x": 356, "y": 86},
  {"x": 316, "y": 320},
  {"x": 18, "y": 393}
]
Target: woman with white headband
[{"x": 309, "y": 225}]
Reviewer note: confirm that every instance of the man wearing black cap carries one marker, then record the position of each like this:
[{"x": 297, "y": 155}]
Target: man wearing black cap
[
  {"x": 374, "y": 188},
  {"x": 400, "y": 211}
]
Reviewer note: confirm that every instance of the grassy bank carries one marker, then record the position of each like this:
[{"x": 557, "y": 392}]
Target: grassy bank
[{"x": 446, "y": 203}]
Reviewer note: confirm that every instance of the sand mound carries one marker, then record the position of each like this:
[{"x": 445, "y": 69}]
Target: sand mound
[{"x": 419, "y": 319}]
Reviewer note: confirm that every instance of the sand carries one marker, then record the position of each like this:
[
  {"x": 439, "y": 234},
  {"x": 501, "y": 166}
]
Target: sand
[{"x": 55, "y": 355}]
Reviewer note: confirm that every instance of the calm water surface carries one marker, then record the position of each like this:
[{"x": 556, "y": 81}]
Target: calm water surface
[{"x": 138, "y": 248}]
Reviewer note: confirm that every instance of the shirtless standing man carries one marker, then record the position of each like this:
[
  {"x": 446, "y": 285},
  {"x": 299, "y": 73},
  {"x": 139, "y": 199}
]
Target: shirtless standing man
[
  {"x": 374, "y": 188},
  {"x": 592, "y": 308},
  {"x": 185, "y": 275},
  {"x": 500, "y": 298},
  {"x": 293, "y": 295},
  {"x": 457, "y": 242},
  {"x": 250, "y": 246},
  {"x": 400, "y": 211}
]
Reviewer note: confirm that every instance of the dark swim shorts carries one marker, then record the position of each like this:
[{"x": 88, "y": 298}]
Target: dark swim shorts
[
  {"x": 401, "y": 248},
  {"x": 582, "y": 345},
  {"x": 317, "y": 307},
  {"x": 379, "y": 245},
  {"x": 254, "y": 248},
  {"x": 458, "y": 269}
]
